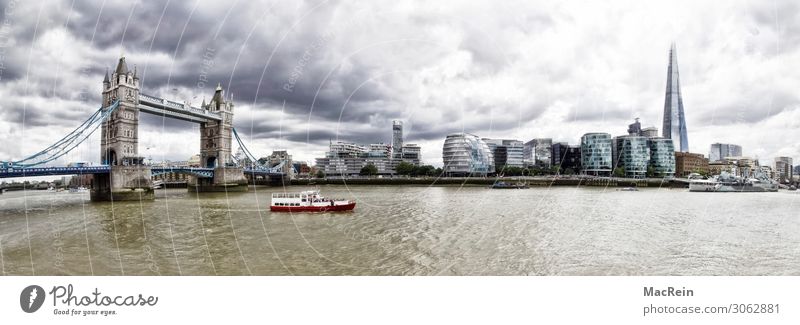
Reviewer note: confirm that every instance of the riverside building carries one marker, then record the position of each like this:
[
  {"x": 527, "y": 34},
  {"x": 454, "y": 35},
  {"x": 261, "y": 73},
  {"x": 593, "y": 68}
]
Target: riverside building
[
  {"x": 596, "y": 154},
  {"x": 566, "y": 157},
  {"x": 632, "y": 154},
  {"x": 783, "y": 169},
  {"x": 687, "y": 163},
  {"x": 466, "y": 154},
  {"x": 541, "y": 152},
  {"x": 507, "y": 153},
  {"x": 662, "y": 157}
]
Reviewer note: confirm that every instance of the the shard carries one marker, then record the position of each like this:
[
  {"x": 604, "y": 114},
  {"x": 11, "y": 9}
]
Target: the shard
[{"x": 674, "y": 116}]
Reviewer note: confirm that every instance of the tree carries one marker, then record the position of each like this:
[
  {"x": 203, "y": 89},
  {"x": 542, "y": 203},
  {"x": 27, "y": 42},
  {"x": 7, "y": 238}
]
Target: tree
[
  {"x": 513, "y": 171},
  {"x": 404, "y": 168},
  {"x": 320, "y": 174},
  {"x": 555, "y": 170},
  {"x": 619, "y": 172},
  {"x": 569, "y": 171},
  {"x": 438, "y": 172},
  {"x": 368, "y": 170},
  {"x": 651, "y": 171},
  {"x": 424, "y": 170}
]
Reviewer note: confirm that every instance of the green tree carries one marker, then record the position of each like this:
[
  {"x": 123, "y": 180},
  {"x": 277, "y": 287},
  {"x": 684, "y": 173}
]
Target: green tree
[
  {"x": 651, "y": 171},
  {"x": 619, "y": 172},
  {"x": 425, "y": 170},
  {"x": 569, "y": 171},
  {"x": 438, "y": 172},
  {"x": 404, "y": 168},
  {"x": 554, "y": 170},
  {"x": 320, "y": 174},
  {"x": 368, "y": 170},
  {"x": 514, "y": 171}
]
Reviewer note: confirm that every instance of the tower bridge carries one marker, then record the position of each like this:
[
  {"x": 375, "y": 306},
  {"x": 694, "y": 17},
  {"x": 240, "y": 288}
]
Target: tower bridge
[{"x": 122, "y": 174}]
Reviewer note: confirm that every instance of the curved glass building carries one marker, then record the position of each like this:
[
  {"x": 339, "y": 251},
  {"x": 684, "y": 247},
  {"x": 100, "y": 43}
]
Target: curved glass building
[
  {"x": 466, "y": 154},
  {"x": 662, "y": 157},
  {"x": 632, "y": 153},
  {"x": 596, "y": 154}
]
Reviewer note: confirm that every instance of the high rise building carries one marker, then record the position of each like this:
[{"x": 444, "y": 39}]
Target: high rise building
[
  {"x": 783, "y": 169},
  {"x": 721, "y": 150},
  {"x": 674, "y": 116},
  {"x": 507, "y": 153},
  {"x": 662, "y": 157},
  {"x": 635, "y": 128},
  {"x": 632, "y": 154},
  {"x": 397, "y": 139},
  {"x": 466, "y": 154},
  {"x": 538, "y": 152},
  {"x": 566, "y": 157},
  {"x": 596, "y": 154}
]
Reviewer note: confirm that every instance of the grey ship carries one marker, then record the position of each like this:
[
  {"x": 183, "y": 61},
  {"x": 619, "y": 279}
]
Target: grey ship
[{"x": 725, "y": 182}]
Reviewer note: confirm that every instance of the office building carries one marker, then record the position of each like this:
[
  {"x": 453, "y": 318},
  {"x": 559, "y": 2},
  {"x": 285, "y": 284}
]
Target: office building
[
  {"x": 687, "y": 163},
  {"x": 632, "y": 154},
  {"x": 538, "y": 152},
  {"x": 466, "y": 154},
  {"x": 596, "y": 152},
  {"x": 720, "y": 151},
  {"x": 506, "y": 152},
  {"x": 412, "y": 154},
  {"x": 662, "y": 157},
  {"x": 784, "y": 169},
  {"x": 347, "y": 159},
  {"x": 566, "y": 157},
  {"x": 674, "y": 114}
]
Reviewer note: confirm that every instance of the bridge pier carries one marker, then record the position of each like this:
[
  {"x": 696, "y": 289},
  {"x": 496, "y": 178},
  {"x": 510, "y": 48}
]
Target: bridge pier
[
  {"x": 123, "y": 183},
  {"x": 226, "y": 179}
]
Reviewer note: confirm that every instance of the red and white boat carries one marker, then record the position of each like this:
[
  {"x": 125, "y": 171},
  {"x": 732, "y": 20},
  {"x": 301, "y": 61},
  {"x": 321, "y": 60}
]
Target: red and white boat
[{"x": 308, "y": 201}]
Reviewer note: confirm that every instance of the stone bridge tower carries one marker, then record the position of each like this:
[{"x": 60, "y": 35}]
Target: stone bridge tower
[
  {"x": 215, "y": 137},
  {"x": 119, "y": 142},
  {"x": 215, "y": 150},
  {"x": 128, "y": 178}
]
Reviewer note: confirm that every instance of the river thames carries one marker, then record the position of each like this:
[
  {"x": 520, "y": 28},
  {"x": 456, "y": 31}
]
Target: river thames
[{"x": 406, "y": 230}]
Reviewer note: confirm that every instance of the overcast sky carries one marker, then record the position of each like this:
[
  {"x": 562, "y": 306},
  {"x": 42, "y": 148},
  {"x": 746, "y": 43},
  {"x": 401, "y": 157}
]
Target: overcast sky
[{"x": 304, "y": 72}]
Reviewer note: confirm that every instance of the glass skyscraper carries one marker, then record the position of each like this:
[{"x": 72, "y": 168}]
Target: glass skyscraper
[
  {"x": 632, "y": 154},
  {"x": 674, "y": 116},
  {"x": 662, "y": 157},
  {"x": 596, "y": 154},
  {"x": 719, "y": 151}
]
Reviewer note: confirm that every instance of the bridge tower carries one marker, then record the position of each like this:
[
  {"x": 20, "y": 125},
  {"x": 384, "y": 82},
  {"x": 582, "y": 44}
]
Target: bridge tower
[
  {"x": 215, "y": 136},
  {"x": 129, "y": 178},
  {"x": 119, "y": 143},
  {"x": 215, "y": 149}
]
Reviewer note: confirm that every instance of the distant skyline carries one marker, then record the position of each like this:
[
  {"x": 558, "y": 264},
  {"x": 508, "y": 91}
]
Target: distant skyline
[{"x": 313, "y": 71}]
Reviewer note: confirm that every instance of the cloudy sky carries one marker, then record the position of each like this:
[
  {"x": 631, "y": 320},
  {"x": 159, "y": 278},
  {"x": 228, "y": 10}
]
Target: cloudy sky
[{"x": 305, "y": 72}]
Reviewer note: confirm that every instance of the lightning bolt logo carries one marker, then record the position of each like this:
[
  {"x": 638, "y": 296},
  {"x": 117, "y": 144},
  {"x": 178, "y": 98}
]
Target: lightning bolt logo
[{"x": 34, "y": 294}]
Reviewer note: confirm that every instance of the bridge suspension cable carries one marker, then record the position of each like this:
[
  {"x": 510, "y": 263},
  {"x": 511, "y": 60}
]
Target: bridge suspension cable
[
  {"x": 68, "y": 142},
  {"x": 253, "y": 159}
]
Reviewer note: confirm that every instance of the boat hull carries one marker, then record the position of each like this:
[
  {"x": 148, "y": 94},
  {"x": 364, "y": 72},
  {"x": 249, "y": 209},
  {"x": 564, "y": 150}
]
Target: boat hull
[
  {"x": 327, "y": 208},
  {"x": 729, "y": 188}
]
